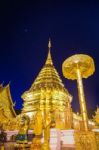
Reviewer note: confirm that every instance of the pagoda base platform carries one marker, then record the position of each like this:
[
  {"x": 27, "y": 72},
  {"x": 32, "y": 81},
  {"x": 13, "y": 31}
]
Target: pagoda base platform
[{"x": 59, "y": 139}]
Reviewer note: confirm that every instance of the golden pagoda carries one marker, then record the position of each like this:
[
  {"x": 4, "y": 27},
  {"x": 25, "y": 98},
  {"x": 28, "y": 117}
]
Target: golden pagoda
[{"x": 48, "y": 93}]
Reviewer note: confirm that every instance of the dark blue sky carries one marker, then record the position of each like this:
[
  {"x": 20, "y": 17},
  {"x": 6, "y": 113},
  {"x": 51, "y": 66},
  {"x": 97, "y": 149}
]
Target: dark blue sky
[{"x": 25, "y": 27}]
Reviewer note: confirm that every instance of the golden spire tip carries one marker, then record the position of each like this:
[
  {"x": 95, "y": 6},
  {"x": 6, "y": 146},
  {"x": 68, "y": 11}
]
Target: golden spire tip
[
  {"x": 49, "y": 43},
  {"x": 49, "y": 59}
]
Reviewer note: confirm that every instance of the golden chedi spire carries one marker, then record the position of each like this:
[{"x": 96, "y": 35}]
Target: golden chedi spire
[
  {"x": 47, "y": 92},
  {"x": 49, "y": 59}
]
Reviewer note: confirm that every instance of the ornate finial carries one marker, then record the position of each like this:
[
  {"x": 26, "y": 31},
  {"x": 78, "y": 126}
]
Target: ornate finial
[
  {"x": 49, "y": 43},
  {"x": 49, "y": 59}
]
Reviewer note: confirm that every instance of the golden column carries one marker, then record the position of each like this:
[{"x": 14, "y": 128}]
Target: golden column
[{"x": 77, "y": 67}]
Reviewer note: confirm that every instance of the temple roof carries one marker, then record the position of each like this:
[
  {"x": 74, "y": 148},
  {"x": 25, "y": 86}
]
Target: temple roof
[
  {"x": 3, "y": 117},
  {"x": 6, "y": 101}
]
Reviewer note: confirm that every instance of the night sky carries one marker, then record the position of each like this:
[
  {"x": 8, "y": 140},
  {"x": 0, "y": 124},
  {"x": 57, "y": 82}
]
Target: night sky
[{"x": 25, "y": 27}]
